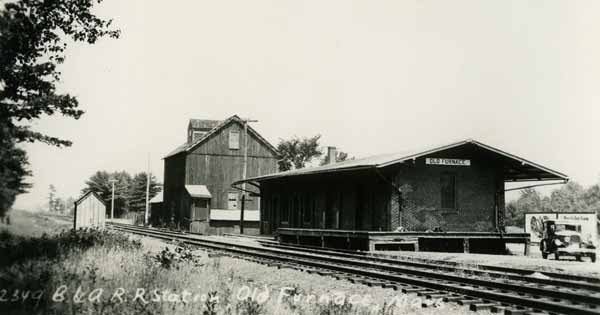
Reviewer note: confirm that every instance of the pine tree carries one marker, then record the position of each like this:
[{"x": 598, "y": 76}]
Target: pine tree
[{"x": 137, "y": 195}]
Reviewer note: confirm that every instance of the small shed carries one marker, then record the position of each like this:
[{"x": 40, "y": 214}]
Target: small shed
[{"x": 90, "y": 211}]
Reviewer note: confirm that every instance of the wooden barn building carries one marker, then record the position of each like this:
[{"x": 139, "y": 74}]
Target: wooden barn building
[
  {"x": 198, "y": 176},
  {"x": 457, "y": 188},
  {"x": 89, "y": 211}
]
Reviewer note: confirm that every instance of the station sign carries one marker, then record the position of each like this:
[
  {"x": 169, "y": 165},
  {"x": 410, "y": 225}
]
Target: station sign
[{"x": 450, "y": 162}]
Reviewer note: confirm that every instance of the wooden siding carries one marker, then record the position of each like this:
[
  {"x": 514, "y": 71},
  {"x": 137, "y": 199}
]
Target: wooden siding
[
  {"x": 364, "y": 200},
  {"x": 215, "y": 165},
  {"x": 174, "y": 189},
  {"x": 357, "y": 201},
  {"x": 89, "y": 212}
]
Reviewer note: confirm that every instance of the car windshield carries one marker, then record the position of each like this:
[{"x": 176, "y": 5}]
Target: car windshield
[{"x": 567, "y": 227}]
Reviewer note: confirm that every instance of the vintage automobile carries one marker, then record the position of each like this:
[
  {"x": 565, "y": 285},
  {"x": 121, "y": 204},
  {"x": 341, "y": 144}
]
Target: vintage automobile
[{"x": 563, "y": 238}]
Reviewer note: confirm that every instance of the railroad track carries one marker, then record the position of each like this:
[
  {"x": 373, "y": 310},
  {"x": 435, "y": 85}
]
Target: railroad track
[
  {"x": 507, "y": 292},
  {"x": 544, "y": 277}
]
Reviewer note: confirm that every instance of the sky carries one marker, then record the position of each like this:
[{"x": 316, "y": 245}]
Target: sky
[{"x": 369, "y": 76}]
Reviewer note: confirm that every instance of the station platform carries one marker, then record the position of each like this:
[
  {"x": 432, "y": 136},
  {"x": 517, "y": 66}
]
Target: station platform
[{"x": 463, "y": 242}]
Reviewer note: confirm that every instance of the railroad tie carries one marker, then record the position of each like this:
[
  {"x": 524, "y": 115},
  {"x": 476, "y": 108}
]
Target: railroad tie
[
  {"x": 361, "y": 280},
  {"x": 437, "y": 295},
  {"x": 481, "y": 306},
  {"x": 375, "y": 283},
  {"x": 323, "y": 272},
  {"x": 468, "y": 301},
  {"x": 515, "y": 311},
  {"x": 413, "y": 290},
  {"x": 390, "y": 285},
  {"x": 341, "y": 276},
  {"x": 425, "y": 292},
  {"x": 354, "y": 278},
  {"x": 452, "y": 298},
  {"x": 498, "y": 309}
]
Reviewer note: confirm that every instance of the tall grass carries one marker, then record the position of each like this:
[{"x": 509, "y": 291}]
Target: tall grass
[{"x": 100, "y": 272}]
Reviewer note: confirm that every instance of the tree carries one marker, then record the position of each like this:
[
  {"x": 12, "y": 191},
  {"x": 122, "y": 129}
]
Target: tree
[
  {"x": 295, "y": 152},
  {"x": 51, "y": 198},
  {"x": 340, "y": 156},
  {"x": 32, "y": 45},
  {"x": 568, "y": 198},
  {"x": 13, "y": 170},
  {"x": 101, "y": 185},
  {"x": 69, "y": 205},
  {"x": 530, "y": 200},
  {"x": 137, "y": 194},
  {"x": 591, "y": 197}
]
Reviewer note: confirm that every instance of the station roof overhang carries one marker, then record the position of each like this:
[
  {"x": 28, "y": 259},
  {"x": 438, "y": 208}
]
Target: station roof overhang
[
  {"x": 198, "y": 191},
  {"x": 515, "y": 169}
]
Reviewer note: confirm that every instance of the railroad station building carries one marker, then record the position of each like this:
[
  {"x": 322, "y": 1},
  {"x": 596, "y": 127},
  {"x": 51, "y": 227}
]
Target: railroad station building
[
  {"x": 459, "y": 187},
  {"x": 198, "y": 175}
]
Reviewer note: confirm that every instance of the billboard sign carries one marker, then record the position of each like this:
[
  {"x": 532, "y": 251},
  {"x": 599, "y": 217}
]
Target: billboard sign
[{"x": 586, "y": 220}]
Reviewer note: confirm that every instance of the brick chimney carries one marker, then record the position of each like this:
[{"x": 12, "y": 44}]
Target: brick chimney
[{"x": 331, "y": 154}]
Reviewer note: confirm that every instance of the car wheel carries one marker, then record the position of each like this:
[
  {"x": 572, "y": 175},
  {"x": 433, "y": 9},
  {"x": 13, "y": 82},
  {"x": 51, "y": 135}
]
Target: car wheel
[
  {"x": 578, "y": 257},
  {"x": 544, "y": 255},
  {"x": 556, "y": 256},
  {"x": 593, "y": 258}
]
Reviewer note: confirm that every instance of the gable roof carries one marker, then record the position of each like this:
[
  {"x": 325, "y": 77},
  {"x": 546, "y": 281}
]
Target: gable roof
[
  {"x": 204, "y": 123},
  {"x": 186, "y": 147},
  {"x": 78, "y": 201},
  {"x": 383, "y": 160},
  {"x": 157, "y": 199}
]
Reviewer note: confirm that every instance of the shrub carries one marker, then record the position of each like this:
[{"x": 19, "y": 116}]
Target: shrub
[
  {"x": 168, "y": 258},
  {"x": 15, "y": 249},
  {"x": 249, "y": 307}
]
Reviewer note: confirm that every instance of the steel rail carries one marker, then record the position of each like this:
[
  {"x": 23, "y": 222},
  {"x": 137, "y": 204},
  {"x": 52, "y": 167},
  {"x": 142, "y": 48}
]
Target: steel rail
[
  {"x": 488, "y": 289},
  {"x": 505, "y": 273},
  {"x": 511, "y": 270}
]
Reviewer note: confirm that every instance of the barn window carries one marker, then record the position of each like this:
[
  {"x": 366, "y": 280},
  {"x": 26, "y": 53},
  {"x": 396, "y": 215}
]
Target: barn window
[
  {"x": 232, "y": 200},
  {"x": 234, "y": 139},
  {"x": 448, "y": 189},
  {"x": 200, "y": 203}
]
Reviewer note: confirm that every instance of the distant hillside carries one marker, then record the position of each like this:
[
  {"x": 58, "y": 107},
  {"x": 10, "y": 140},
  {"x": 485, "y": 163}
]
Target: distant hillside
[{"x": 27, "y": 223}]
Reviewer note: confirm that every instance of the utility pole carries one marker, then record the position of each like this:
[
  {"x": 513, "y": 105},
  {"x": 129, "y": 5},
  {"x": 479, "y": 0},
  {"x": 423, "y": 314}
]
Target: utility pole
[
  {"x": 112, "y": 202},
  {"x": 148, "y": 176},
  {"x": 244, "y": 172}
]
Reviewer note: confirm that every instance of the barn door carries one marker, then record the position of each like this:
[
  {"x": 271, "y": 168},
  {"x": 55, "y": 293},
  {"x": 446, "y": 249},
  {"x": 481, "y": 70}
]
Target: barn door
[{"x": 200, "y": 209}]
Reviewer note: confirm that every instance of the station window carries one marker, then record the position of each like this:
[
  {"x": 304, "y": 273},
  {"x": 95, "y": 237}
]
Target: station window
[
  {"x": 448, "y": 190},
  {"x": 234, "y": 140},
  {"x": 307, "y": 208},
  {"x": 285, "y": 210}
]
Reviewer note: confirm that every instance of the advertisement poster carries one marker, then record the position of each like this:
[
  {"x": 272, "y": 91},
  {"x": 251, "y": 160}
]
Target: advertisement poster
[
  {"x": 587, "y": 221},
  {"x": 534, "y": 226}
]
